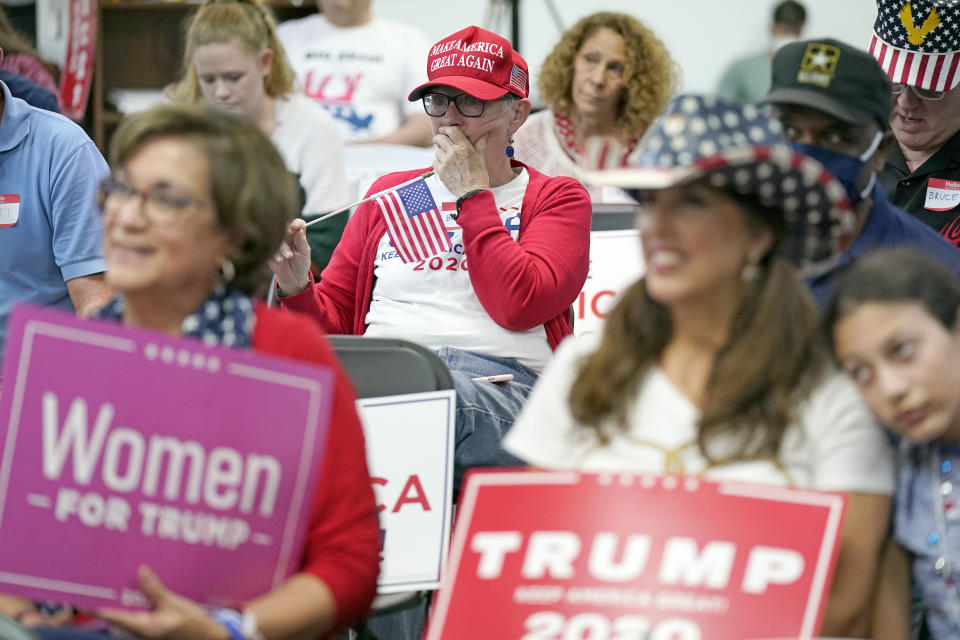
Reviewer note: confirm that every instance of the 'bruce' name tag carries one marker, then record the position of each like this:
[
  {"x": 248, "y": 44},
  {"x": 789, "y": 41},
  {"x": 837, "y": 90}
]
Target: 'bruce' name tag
[{"x": 942, "y": 195}]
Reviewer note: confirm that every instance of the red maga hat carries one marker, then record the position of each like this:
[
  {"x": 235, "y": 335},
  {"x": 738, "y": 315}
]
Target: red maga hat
[{"x": 478, "y": 62}]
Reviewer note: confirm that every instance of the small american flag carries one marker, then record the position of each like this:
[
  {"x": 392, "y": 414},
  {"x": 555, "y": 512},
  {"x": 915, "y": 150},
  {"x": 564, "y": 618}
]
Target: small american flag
[
  {"x": 414, "y": 222},
  {"x": 518, "y": 79}
]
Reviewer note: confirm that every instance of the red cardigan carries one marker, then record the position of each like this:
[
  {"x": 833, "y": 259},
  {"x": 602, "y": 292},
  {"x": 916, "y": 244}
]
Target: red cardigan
[
  {"x": 343, "y": 540},
  {"x": 521, "y": 284}
]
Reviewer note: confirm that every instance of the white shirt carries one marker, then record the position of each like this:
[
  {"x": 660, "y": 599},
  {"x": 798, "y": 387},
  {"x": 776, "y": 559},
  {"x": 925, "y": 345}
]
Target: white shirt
[
  {"x": 362, "y": 75},
  {"x": 433, "y": 301},
  {"x": 834, "y": 444},
  {"x": 311, "y": 146}
]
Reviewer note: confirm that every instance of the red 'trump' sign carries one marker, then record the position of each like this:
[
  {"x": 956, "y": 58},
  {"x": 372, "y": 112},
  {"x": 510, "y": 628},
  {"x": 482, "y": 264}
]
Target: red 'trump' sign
[{"x": 560, "y": 555}]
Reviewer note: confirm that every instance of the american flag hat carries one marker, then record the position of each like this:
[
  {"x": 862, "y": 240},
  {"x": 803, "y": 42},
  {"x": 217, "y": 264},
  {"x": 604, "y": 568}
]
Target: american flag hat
[
  {"x": 917, "y": 42},
  {"x": 738, "y": 148}
]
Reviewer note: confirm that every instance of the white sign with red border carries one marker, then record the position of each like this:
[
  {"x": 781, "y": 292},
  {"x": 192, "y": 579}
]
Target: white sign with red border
[
  {"x": 616, "y": 262},
  {"x": 409, "y": 442},
  {"x": 560, "y": 555}
]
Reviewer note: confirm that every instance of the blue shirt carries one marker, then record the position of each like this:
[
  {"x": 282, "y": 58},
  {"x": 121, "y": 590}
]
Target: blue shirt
[
  {"x": 54, "y": 234},
  {"x": 926, "y": 523},
  {"x": 886, "y": 227},
  {"x": 28, "y": 91}
]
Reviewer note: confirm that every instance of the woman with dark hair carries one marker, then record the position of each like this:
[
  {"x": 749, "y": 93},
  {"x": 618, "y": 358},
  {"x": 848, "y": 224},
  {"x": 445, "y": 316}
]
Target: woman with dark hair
[
  {"x": 197, "y": 203},
  {"x": 710, "y": 365},
  {"x": 893, "y": 324},
  {"x": 609, "y": 76}
]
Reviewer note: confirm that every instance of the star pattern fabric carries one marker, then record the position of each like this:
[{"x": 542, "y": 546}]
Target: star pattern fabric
[
  {"x": 226, "y": 318},
  {"x": 917, "y": 42},
  {"x": 944, "y": 38},
  {"x": 736, "y": 147}
]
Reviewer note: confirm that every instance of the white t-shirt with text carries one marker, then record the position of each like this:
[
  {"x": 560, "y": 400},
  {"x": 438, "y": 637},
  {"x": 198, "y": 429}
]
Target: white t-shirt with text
[
  {"x": 433, "y": 302},
  {"x": 312, "y": 148},
  {"x": 361, "y": 75}
]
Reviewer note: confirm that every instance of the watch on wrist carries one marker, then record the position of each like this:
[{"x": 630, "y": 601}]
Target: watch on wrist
[{"x": 468, "y": 194}]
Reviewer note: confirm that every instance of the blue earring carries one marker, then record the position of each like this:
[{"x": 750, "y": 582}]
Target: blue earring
[{"x": 510, "y": 148}]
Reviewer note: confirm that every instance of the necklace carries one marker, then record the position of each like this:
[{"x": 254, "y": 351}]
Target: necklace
[
  {"x": 673, "y": 463},
  {"x": 568, "y": 142}
]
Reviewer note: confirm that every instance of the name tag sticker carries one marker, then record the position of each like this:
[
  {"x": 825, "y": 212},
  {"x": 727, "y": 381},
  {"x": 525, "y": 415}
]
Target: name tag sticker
[
  {"x": 942, "y": 195},
  {"x": 9, "y": 209}
]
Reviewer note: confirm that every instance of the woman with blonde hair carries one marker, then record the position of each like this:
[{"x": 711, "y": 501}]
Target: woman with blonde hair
[
  {"x": 608, "y": 77},
  {"x": 233, "y": 60},
  {"x": 710, "y": 365}
]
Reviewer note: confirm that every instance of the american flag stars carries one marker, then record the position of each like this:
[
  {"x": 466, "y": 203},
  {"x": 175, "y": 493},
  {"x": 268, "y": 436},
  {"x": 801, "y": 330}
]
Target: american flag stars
[{"x": 917, "y": 42}]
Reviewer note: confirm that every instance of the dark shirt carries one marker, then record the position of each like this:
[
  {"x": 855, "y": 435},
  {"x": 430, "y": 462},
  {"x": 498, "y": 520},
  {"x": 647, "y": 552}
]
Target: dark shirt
[
  {"x": 909, "y": 190},
  {"x": 887, "y": 226},
  {"x": 34, "y": 95}
]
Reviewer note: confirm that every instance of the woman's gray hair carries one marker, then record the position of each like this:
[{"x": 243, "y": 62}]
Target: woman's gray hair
[{"x": 508, "y": 101}]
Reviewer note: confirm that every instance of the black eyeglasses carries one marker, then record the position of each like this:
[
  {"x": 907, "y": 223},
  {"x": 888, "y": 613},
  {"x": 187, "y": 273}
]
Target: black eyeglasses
[
  {"x": 436, "y": 104},
  {"x": 924, "y": 94},
  {"x": 161, "y": 206}
]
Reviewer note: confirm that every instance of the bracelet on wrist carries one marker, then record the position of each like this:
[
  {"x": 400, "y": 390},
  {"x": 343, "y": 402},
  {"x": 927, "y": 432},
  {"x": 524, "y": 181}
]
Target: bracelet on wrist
[
  {"x": 468, "y": 194},
  {"x": 240, "y": 626}
]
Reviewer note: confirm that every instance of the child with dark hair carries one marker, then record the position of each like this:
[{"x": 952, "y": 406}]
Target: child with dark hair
[{"x": 893, "y": 326}]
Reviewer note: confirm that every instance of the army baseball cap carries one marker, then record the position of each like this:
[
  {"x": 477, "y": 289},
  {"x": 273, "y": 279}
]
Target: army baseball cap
[{"x": 833, "y": 77}]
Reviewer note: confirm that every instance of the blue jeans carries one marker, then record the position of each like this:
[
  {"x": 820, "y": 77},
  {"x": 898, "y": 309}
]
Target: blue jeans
[
  {"x": 72, "y": 633},
  {"x": 485, "y": 410}
]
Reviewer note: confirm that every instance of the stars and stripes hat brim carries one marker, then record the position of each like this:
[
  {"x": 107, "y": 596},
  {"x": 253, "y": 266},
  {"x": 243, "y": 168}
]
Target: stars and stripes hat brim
[
  {"x": 736, "y": 147},
  {"x": 917, "y": 42}
]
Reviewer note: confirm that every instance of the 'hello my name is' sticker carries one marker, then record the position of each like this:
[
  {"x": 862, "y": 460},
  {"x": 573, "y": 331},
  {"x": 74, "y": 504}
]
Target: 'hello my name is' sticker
[
  {"x": 9, "y": 209},
  {"x": 942, "y": 195}
]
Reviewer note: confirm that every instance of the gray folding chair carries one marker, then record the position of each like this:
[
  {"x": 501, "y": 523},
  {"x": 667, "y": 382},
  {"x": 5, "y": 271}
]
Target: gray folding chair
[
  {"x": 611, "y": 217},
  {"x": 390, "y": 366},
  {"x": 387, "y": 367}
]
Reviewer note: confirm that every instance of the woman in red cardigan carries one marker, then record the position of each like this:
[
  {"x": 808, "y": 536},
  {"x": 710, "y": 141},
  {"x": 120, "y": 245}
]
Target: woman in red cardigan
[
  {"x": 495, "y": 302},
  {"x": 197, "y": 203}
]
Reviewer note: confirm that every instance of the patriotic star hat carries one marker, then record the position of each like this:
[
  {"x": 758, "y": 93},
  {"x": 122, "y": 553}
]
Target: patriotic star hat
[
  {"x": 917, "y": 42},
  {"x": 478, "y": 62},
  {"x": 736, "y": 147}
]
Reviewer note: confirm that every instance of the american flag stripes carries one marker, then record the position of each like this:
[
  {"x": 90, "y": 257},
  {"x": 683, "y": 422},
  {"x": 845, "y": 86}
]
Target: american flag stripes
[
  {"x": 937, "y": 73},
  {"x": 518, "y": 79},
  {"x": 917, "y": 42},
  {"x": 414, "y": 222}
]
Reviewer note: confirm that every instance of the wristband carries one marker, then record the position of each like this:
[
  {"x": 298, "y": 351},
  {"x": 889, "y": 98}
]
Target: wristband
[
  {"x": 468, "y": 194},
  {"x": 239, "y": 626}
]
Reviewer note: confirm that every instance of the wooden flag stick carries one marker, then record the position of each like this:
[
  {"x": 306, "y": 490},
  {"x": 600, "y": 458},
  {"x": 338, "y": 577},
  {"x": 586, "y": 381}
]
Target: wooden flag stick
[{"x": 367, "y": 199}]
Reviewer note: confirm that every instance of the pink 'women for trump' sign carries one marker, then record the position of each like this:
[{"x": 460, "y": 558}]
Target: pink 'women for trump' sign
[{"x": 121, "y": 447}]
